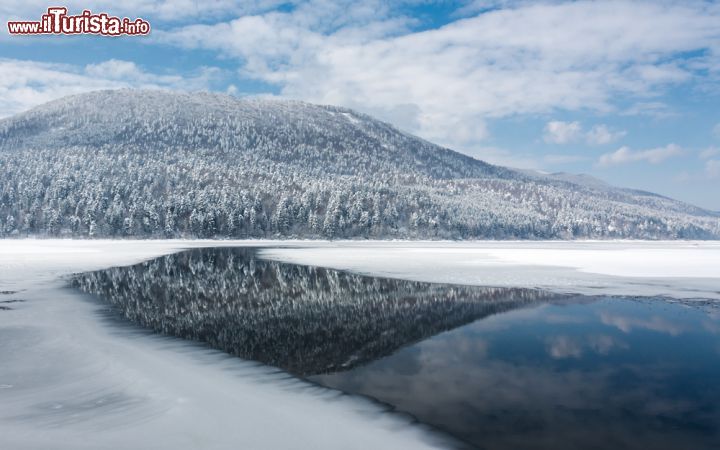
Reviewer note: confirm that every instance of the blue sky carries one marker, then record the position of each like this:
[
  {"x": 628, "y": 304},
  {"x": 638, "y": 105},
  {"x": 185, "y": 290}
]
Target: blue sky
[{"x": 627, "y": 91}]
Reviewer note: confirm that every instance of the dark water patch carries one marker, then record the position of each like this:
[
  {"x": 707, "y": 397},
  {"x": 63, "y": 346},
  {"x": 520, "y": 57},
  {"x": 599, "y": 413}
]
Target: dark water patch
[
  {"x": 8, "y": 292},
  {"x": 614, "y": 373},
  {"x": 498, "y": 368},
  {"x": 12, "y": 301},
  {"x": 305, "y": 320}
]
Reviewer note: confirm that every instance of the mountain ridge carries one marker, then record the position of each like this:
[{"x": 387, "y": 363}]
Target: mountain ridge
[
  {"x": 169, "y": 164},
  {"x": 188, "y": 107}
]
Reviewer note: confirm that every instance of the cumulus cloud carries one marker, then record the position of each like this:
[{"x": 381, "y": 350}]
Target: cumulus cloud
[
  {"x": 625, "y": 155},
  {"x": 115, "y": 69},
  {"x": 519, "y": 59},
  {"x": 499, "y": 58},
  {"x": 601, "y": 134},
  {"x": 24, "y": 84},
  {"x": 558, "y": 132}
]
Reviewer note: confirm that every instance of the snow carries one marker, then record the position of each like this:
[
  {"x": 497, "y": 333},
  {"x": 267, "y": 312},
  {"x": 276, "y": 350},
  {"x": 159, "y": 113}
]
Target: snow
[
  {"x": 287, "y": 168},
  {"x": 73, "y": 378},
  {"x": 676, "y": 269},
  {"x": 350, "y": 118}
]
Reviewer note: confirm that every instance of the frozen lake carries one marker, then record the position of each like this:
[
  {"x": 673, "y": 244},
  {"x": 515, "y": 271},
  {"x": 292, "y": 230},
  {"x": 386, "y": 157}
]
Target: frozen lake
[
  {"x": 499, "y": 368},
  {"x": 499, "y": 344}
]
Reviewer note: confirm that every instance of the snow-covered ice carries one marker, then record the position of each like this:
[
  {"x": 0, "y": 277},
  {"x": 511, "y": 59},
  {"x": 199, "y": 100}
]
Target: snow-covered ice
[
  {"x": 679, "y": 269},
  {"x": 676, "y": 269},
  {"x": 72, "y": 378}
]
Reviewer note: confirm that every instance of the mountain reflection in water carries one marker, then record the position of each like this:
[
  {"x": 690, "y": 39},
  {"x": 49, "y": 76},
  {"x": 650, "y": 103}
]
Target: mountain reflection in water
[
  {"x": 551, "y": 372},
  {"x": 305, "y": 320}
]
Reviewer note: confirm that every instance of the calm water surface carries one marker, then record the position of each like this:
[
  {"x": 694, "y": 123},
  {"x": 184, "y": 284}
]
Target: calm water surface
[{"x": 499, "y": 368}]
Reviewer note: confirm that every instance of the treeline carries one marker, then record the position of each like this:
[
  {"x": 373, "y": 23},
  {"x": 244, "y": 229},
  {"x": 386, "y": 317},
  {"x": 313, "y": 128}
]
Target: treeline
[
  {"x": 153, "y": 164},
  {"x": 127, "y": 192}
]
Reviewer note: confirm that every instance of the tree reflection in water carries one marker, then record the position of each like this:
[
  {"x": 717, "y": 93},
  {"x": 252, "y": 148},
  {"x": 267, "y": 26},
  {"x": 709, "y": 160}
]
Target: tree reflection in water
[{"x": 305, "y": 320}]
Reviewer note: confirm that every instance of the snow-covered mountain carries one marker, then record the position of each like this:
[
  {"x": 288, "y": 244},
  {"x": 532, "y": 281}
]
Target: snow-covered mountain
[{"x": 154, "y": 163}]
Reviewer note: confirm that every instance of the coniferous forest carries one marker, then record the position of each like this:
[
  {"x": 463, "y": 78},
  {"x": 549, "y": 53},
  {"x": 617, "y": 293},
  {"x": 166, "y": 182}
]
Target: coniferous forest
[{"x": 153, "y": 164}]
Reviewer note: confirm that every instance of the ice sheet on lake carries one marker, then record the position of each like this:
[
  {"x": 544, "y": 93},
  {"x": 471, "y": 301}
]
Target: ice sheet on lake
[
  {"x": 677, "y": 269},
  {"x": 71, "y": 378},
  {"x": 681, "y": 269}
]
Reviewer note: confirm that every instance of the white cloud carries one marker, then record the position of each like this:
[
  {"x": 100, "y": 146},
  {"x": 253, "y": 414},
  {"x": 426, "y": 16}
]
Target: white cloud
[
  {"x": 513, "y": 57},
  {"x": 478, "y": 6},
  {"x": 654, "y": 156},
  {"x": 558, "y": 132},
  {"x": 113, "y": 69},
  {"x": 528, "y": 58},
  {"x": 653, "y": 108},
  {"x": 601, "y": 134},
  {"x": 24, "y": 84}
]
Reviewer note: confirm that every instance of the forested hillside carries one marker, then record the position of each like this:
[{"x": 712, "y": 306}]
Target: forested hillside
[{"x": 164, "y": 164}]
